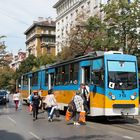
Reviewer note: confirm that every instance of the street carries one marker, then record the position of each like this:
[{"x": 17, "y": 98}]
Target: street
[{"x": 19, "y": 125}]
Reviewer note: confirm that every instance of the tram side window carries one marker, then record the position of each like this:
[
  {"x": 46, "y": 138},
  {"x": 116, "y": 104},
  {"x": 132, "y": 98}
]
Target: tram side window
[
  {"x": 74, "y": 68},
  {"x": 35, "y": 79},
  {"x": 52, "y": 79},
  {"x": 65, "y": 75},
  {"x": 58, "y": 76},
  {"x": 25, "y": 80},
  {"x": 62, "y": 75},
  {"x": 98, "y": 72},
  {"x": 46, "y": 78},
  {"x": 98, "y": 77}
]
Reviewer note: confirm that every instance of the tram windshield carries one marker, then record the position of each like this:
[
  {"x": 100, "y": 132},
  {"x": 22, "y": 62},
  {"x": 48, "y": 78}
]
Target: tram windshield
[{"x": 122, "y": 75}]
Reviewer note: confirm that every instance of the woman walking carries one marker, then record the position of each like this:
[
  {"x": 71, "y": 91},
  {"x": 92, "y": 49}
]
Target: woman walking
[
  {"x": 16, "y": 100},
  {"x": 51, "y": 104}
]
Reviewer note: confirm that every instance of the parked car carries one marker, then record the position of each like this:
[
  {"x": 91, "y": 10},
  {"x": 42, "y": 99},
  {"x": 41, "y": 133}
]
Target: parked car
[{"x": 3, "y": 97}]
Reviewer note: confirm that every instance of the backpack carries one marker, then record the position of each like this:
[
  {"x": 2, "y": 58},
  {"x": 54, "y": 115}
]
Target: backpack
[{"x": 71, "y": 106}]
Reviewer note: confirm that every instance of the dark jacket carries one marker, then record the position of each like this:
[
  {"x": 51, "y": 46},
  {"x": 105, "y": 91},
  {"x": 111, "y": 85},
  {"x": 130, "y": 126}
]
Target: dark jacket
[{"x": 36, "y": 100}]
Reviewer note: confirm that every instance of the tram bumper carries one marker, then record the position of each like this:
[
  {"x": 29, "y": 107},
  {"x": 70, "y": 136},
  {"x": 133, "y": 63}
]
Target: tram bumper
[{"x": 125, "y": 109}]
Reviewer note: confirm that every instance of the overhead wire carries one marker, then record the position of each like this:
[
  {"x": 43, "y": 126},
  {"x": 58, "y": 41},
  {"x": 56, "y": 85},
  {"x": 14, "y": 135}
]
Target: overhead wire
[{"x": 3, "y": 12}]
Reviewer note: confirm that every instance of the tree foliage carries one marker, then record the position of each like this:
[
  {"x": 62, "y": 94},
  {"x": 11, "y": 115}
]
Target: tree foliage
[
  {"x": 44, "y": 59},
  {"x": 26, "y": 66},
  {"x": 3, "y": 61},
  {"x": 6, "y": 78},
  {"x": 123, "y": 24}
]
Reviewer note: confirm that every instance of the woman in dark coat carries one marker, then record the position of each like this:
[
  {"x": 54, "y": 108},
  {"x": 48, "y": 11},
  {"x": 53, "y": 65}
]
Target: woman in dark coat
[{"x": 35, "y": 102}]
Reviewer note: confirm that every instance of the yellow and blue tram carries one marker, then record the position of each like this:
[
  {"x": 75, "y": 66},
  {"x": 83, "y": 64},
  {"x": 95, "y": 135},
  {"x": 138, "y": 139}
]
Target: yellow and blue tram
[{"x": 112, "y": 78}]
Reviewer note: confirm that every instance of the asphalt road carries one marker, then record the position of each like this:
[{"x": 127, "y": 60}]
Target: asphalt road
[{"x": 19, "y": 125}]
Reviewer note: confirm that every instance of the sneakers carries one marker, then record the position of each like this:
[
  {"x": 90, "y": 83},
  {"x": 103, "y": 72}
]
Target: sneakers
[
  {"x": 76, "y": 123},
  {"x": 49, "y": 119}
]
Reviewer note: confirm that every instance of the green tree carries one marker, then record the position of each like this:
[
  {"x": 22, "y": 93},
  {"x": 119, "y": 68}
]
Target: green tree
[
  {"x": 123, "y": 23},
  {"x": 26, "y": 66},
  {"x": 3, "y": 62},
  {"x": 44, "y": 59},
  {"x": 6, "y": 78}
]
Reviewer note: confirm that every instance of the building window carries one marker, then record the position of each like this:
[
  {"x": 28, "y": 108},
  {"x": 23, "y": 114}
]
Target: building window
[{"x": 48, "y": 50}]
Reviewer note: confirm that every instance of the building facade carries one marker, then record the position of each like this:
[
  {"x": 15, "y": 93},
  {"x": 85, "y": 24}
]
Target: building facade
[
  {"x": 67, "y": 14},
  {"x": 40, "y": 37},
  {"x": 17, "y": 59}
]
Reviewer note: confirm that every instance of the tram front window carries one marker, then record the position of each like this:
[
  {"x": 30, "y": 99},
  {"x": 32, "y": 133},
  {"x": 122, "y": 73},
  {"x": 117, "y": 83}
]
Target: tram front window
[
  {"x": 122, "y": 80},
  {"x": 122, "y": 75}
]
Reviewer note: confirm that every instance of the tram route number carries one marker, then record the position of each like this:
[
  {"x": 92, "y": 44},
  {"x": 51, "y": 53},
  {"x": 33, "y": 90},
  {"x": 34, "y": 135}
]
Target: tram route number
[{"x": 122, "y": 95}]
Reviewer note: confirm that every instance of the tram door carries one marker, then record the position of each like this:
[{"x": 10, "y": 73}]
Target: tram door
[
  {"x": 86, "y": 79},
  {"x": 85, "y": 75}
]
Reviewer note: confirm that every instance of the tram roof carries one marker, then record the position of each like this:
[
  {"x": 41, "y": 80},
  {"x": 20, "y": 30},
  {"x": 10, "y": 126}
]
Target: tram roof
[
  {"x": 91, "y": 55},
  {"x": 88, "y": 56}
]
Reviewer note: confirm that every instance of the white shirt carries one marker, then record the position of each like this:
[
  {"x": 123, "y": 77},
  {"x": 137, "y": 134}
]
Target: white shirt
[{"x": 16, "y": 96}]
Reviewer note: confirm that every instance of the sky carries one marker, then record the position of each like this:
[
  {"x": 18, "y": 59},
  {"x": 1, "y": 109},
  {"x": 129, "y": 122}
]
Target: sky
[{"x": 18, "y": 15}]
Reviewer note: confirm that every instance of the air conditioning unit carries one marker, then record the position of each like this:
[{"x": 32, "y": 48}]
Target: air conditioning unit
[{"x": 113, "y": 52}]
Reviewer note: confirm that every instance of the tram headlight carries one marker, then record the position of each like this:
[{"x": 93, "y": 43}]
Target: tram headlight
[
  {"x": 113, "y": 97},
  {"x": 132, "y": 97}
]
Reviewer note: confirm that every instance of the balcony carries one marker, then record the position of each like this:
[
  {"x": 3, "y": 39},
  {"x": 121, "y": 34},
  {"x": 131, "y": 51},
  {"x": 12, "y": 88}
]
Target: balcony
[{"x": 47, "y": 44}]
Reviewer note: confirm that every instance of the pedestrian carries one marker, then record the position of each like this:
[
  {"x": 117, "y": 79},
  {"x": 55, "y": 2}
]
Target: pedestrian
[
  {"x": 30, "y": 102},
  {"x": 35, "y": 104},
  {"x": 20, "y": 100},
  {"x": 85, "y": 94},
  {"x": 51, "y": 104},
  {"x": 41, "y": 99},
  {"x": 16, "y": 100},
  {"x": 78, "y": 101}
]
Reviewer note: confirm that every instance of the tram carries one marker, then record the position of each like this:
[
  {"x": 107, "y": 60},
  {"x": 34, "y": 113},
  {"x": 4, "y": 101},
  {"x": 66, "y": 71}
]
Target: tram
[{"x": 111, "y": 76}]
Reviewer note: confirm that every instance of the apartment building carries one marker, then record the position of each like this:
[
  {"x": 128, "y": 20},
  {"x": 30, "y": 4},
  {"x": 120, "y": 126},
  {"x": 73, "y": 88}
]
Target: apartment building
[
  {"x": 17, "y": 59},
  {"x": 40, "y": 37},
  {"x": 67, "y": 16}
]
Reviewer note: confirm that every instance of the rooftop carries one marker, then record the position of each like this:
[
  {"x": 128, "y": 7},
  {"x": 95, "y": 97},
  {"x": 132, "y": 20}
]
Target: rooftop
[{"x": 46, "y": 23}]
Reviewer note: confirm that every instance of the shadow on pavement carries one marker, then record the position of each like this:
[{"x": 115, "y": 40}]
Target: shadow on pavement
[
  {"x": 88, "y": 137},
  {"x": 113, "y": 120},
  {"x": 5, "y": 135}
]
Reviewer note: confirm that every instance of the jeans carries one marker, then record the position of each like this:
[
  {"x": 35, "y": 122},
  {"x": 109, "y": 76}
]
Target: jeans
[
  {"x": 76, "y": 116},
  {"x": 51, "y": 111},
  {"x": 35, "y": 111}
]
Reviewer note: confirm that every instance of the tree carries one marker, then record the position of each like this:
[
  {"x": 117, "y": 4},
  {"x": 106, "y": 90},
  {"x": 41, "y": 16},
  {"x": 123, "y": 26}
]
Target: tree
[
  {"x": 3, "y": 62},
  {"x": 26, "y": 66},
  {"x": 6, "y": 78},
  {"x": 44, "y": 59},
  {"x": 123, "y": 24}
]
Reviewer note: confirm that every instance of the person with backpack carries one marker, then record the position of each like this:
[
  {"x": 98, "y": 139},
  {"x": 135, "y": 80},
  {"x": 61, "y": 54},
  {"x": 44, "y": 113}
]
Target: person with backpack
[
  {"x": 35, "y": 103},
  {"x": 78, "y": 101}
]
